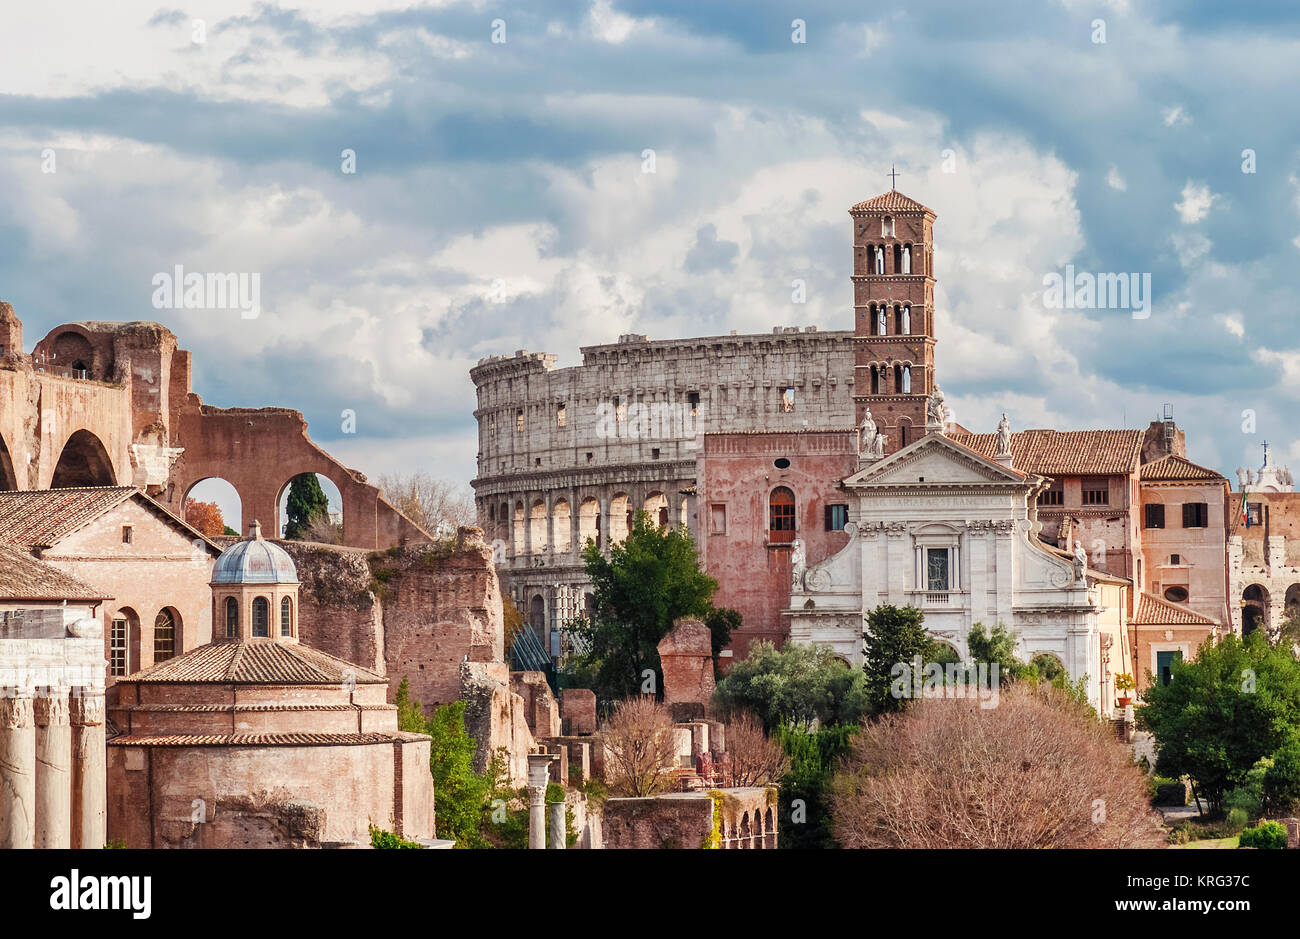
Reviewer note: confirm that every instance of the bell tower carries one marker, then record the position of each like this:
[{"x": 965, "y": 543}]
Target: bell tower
[{"x": 893, "y": 313}]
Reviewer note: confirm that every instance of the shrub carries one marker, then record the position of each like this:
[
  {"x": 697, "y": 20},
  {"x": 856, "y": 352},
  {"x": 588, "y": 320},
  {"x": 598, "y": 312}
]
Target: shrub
[
  {"x": 796, "y": 684},
  {"x": 756, "y": 759},
  {"x": 1169, "y": 792},
  {"x": 1237, "y": 819},
  {"x": 1282, "y": 779},
  {"x": 944, "y": 774},
  {"x": 386, "y": 839},
  {"x": 1269, "y": 835},
  {"x": 641, "y": 750}
]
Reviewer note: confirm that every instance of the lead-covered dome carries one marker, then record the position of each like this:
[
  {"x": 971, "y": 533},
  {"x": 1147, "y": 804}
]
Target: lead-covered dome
[{"x": 254, "y": 561}]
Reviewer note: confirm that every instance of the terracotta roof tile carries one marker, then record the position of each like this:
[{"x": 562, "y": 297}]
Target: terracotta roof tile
[
  {"x": 252, "y": 740},
  {"x": 1179, "y": 468},
  {"x": 256, "y": 662},
  {"x": 1156, "y": 611},
  {"x": 23, "y": 577},
  {"x": 37, "y": 518},
  {"x": 1065, "y": 452},
  {"x": 892, "y": 201}
]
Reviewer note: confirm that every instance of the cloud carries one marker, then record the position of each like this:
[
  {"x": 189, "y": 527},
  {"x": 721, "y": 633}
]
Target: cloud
[
  {"x": 1114, "y": 180},
  {"x": 1195, "y": 203}
]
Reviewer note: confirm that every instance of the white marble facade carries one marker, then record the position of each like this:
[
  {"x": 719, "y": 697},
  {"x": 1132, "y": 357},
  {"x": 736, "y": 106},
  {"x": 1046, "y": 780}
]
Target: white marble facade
[{"x": 941, "y": 528}]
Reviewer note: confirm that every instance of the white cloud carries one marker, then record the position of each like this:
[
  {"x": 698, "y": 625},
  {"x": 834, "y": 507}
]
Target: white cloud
[
  {"x": 1232, "y": 323},
  {"x": 1114, "y": 180},
  {"x": 1176, "y": 116},
  {"x": 1195, "y": 203}
]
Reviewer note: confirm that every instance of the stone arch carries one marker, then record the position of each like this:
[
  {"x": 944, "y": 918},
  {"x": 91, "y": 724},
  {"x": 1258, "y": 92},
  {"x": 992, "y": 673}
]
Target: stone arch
[
  {"x": 537, "y": 527},
  {"x": 946, "y": 652},
  {"x": 223, "y": 492},
  {"x": 620, "y": 512},
  {"x": 72, "y": 355},
  {"x": 656, "y": 506},
  {"x": 1255, "y": 601},
  {"x": 562, "y": 523},
  {"x": 589, "y": 521},
  {"x": 770, "y": 829},
  {"x": 328, "y": 530},
  {"x": 8, "y": 478},
  {"x": 503, "y": 521},
  {"x": 1049, "y": 665},
  {"x": 517, "y": 529},
  {"x": 537, "y": 614},
  {"x": 1292, "y": 598},
  {"x": 83, "y": 462}
]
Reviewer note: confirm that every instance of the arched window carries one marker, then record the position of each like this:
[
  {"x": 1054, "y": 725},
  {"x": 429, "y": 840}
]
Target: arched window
[
  {"x": 907, "y": 259},
  {"x": 898, "y": 258},
  {"x": 887, "y": 226},
  {"x": 907, "y": 379},
  {"x": 232, "y": 617},
  {"x": 905, "y": 326},
  {"x": 780, "y": 516},
  {"x": 286, "y": 617},
  {"x": 882, "y": 323},
  {"x": 164, "y": 636},
  {"x": 875, "y": 380},
  {"x": 261, "y": 613},
  {"x": 880, "y": 259}
]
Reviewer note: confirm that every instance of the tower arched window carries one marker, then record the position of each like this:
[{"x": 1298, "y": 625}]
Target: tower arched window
[
  {"x": 232, "y": 617},
  {"x": 898, "y": 258},
  {"x": 875, "y": 379},
  {"x": 880, "y": 259},
  {"x": 887, "y": 226},
  {"x": 286, "y": 617},
  {"x": 907, "y": 379},
  {"x": 882, "y": 317},
  {"x": 905, "y": 321},
  {"x": 907, "y": 259},
  {"x": 261, "y": 614},
  {"x": 780, "y": 511}
]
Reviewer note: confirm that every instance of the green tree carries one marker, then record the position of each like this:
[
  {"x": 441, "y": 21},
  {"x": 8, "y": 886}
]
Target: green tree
[
  {"x": 307, "y": 506},
  {"x": 1236, "y": 702},
  {"x": 895, "y": 636},
  {"x": 796, "y": 685},
  {"x": 650, "y": 579},
  {"x": 996, "y": 647},
  {"x": 814, "y": 757}
]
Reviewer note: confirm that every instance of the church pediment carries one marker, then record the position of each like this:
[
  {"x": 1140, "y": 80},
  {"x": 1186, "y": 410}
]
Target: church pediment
[{"x": 934, "y": 460}]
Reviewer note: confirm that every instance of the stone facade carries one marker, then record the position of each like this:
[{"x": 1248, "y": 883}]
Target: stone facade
[
  {"x": 744, "y": 818},
  {"x": 569, "y": 454},
  {"x": 686, "y": 658}
]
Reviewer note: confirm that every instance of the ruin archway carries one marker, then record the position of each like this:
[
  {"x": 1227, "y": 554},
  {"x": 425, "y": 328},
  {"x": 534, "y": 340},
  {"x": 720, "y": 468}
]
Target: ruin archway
[
  {"x": 562, "y": 523},
  {"x": 656, "y": 506},
  {"x": 324, "y": 530},
  {"x": 72, "y": 356},
  {"x": 537, "y": 527},
  {"x": 589, "y": 522},
  {"x": 214, "y": 490},
  {"x": 620, "y": 518},
  {"x": 1254, "y": 609},
  {"x": 8, "y": 478},
  {"x": 83, "y": 462}
]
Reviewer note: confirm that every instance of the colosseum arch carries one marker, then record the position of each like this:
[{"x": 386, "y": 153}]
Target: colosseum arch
[
  {"x": 620, "y": 518},
  {"x": 589, "y": 521},
  {"x": 537, "y": 527},
  {"x": 656, "y": 506},
  {"x": 562, "y": 523},
  {"x": 8, "y": 478},
  {"x": 517, "y": 531},
  {"x": 83, "y": 462},
  {"x": 1255, "y": 602}
]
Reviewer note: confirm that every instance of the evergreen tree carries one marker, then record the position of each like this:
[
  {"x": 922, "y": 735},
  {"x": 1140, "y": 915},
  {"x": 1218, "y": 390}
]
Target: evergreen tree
[
  {"x": 307, "y": 506},
  {"x": 895, "y": 636}
]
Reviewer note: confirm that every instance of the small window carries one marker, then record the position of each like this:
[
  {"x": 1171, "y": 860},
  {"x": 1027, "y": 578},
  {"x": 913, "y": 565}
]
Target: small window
[
  {"x": 887, "y": 227},
  {"x": 787, "y": 399},
  {"x": 164, "y": 636},
  {"x": 1176, "y": 594},
  {"x": 620, "y": 410},
  {"x": 693, "y": 399},
  {"x": 1255, "y": 513},
  {"x": 837, "y": 516},
  {"x": 1165, "y": 664},
  {"x": 1053, "y": 496},
  {"x": 781, "y": 516},
  {"x": 232, "y": 617},
  {"x": 1155, "y": 516},
  {"x": 286, "y": 617},
  {"x": 654, "y": 453},
  {"x": 590, "y": 458},
  {"x": 127, "y": 532},
  {"x": 781, "y": 463},
  {"x": 560, "y": 416},
  {"x": 261, "y": 614},
  {"x": 1175, "y": 559},
  {"x": 718, "y": 514},
  {"x": 1096, "y": 492},
  {"x": 117, "y": 647},
  {"x": 519, "y": 419},
  {"x": 1196, "y": 515},
  {"x": 537, "y": 461}
]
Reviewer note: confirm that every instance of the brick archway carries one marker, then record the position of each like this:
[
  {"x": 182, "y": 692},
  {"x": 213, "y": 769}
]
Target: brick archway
[
  {"x": 276, "y": 527},
  {"x": 8, "y": 478},
  {"x": 236, "y": 523},
  {"x": 83, "y": 461}
]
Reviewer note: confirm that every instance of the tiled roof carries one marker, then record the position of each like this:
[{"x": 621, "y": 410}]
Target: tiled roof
[
  {"x": 256, "y": 662},
  {"x": 1019, "y": 471},
  {"x": 38, "y": 518},
  {"x": 1065, "y": 452},
  {"x": 252, "y": 740},
  {"x": 1156, "y": 611},
  {"x": 1177, "y": 467},
  {"x": 892, "y": 201},
  {"x": 23, "y": 577}
]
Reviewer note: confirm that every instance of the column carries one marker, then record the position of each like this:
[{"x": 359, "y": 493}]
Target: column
[
  {"x": 17, "y": 770},
  {"x": 89, "y": 799},
  {"x": 53, "y": 763},
  {"x": 538, "y": 777},
  {"x": 559, "y": 836}
]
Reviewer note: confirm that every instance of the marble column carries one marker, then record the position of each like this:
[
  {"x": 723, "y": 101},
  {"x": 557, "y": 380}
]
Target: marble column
[
  {"x": 89, "y": 798},
  {"x": 53, "y": 765},
  {"x": 538, "y": 777},
  {"x": 559, "y": 836},
  {"x": 17, "y": 770}
]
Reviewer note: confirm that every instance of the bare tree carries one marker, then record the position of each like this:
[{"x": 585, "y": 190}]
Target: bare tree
[
  {"x": 1036, "y": 771},
  {"x": 641, "y": 753},
  {"x": 428, "y": 501},
  {"x": 756, "y": 759}
]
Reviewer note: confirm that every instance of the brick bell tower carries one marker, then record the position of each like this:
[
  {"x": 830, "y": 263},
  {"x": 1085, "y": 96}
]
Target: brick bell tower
[{"x": 893, "y": 313}]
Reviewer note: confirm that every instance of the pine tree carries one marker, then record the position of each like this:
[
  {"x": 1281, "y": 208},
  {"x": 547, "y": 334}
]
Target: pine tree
[{"x": 307, "y": 505}]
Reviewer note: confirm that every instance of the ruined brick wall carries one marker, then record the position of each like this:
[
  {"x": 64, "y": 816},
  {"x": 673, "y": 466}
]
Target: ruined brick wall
[{"x": 337, "y": 611}]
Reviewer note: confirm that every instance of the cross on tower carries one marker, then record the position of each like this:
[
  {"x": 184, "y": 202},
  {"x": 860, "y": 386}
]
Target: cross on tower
[{"x": 893, "y": 176}]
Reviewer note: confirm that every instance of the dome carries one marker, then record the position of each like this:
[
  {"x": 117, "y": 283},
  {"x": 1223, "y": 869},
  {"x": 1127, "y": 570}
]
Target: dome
[{"x": 254, "y": 561}]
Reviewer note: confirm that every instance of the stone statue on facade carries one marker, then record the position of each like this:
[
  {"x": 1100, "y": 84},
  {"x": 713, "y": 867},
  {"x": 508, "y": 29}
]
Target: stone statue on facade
[
  {"x": 871, "y": 443},
  {"x": 1080, "y": 563},
  {"x": 1004, "y": 436},
  {"x": 936, "y": 413},
  {"x": 798, "y": 565}
]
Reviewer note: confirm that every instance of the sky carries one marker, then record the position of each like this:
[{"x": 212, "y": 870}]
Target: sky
[{"x": 548, "y": 175}]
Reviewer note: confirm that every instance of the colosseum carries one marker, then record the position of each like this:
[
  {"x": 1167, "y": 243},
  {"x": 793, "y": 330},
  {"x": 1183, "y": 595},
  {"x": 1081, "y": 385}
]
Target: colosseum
[{"x": 570, "y": 454}]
